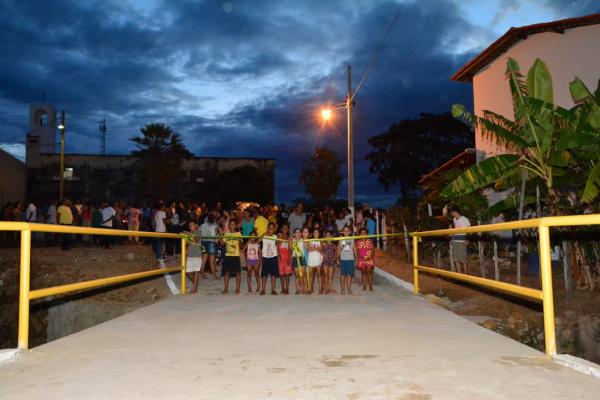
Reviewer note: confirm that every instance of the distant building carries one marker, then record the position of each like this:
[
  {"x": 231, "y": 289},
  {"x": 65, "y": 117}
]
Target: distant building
[
  {"x": 570, "y": 48},
  {"x": 90, "y": 177},
  {"x": 12, "y": 178}
]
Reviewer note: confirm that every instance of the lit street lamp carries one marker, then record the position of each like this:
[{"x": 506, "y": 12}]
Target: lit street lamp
[
  {"x": 326, "y": 114},
  {"x": 61, "y": 128}
]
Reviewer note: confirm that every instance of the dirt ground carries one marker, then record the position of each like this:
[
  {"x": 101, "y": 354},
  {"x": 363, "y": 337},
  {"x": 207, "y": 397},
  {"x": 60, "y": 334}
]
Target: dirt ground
[
  {"x": 50, "y": 266},
  {"x": 577, "y": 312}
]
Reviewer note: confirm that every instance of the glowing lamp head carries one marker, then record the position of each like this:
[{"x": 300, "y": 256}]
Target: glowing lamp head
[
  {"x": 61, "y": 126},
  {"x": 326, "y": 114}
]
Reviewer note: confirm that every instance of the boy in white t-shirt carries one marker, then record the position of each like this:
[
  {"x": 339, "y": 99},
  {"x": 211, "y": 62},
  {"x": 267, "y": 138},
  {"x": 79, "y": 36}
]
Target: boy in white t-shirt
[
  {"x": 270, "y": 263},
  {"x": 459, "y": 241}
]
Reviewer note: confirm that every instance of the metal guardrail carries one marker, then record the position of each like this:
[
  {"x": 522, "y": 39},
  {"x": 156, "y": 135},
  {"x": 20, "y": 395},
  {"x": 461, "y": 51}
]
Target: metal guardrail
[
  {"x": 545, "y": 294},
  {"x": 26, "y": 294}
]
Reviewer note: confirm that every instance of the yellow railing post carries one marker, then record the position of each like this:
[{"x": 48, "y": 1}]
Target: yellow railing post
[
  {"x": 183, "y": 262},
  {"x": 547, "y": 292},
  {"x": 415, "y": 264},
  {"x": 24, "y": 289}
]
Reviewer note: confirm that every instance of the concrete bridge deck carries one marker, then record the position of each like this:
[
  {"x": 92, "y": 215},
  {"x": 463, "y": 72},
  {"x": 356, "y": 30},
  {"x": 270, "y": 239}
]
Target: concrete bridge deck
[{"x": 387, "y": 344}]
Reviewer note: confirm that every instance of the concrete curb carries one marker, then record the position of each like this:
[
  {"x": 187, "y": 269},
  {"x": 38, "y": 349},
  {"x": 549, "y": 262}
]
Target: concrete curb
[
  {"x": 394, "y": 279},
  {"x": 8, "y": 354},
  {"x": 578, "y": 364}
]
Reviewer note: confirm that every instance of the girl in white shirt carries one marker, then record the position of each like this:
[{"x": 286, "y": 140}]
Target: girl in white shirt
[{"x": 315, "y": 258}]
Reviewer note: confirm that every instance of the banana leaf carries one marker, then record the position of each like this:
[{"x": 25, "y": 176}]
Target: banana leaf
[
  {"x": 590, "y": 192},
  {"x": 483, "y": 174},
  {"x": 577, "y": 140},
  {"x": 539, "y": 82},
  {"x": 489, "y": 125},
  {"x": 581, "y": 94}
]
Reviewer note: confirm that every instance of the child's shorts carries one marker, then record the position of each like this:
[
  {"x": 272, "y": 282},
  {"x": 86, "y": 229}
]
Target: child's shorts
[
  {"x": 232, "y": 265},
  {"x": 270, "y": 267},
  {"x": 193, "y": 264},
  {"x": 251, "y": 263},
  {"x": 347, "y": 267},
  {"x": 210, "y": 247}
]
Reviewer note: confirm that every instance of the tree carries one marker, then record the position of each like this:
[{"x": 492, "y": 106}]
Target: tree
[
  {"x": 244, "y": 183},
  {"x": 413, "y": 147},
  {"x": 549, "y": 145},
  {"x": 321, "y": 175},
  {"x": 160, "y": 156}
]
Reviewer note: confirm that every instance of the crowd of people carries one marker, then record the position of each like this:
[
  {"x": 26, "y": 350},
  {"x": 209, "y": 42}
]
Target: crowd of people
[{"x": 269, "y": 242}]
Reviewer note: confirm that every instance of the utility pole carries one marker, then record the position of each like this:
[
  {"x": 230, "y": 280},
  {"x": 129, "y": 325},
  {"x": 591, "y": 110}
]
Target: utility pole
[
  {"x": 61, "y": 127},
  {"x": 103, "y": 136},
  {"x": 349, "y": 105}
]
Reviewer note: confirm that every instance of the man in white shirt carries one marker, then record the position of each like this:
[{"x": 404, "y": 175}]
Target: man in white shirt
[
  {"x": 31, "y": 213},
  {"x": 459, "y": 241},
  {"x": 297, "y": 219},
  {"x": 108, "y": 214},
  {"x": 159, "y": 226}
]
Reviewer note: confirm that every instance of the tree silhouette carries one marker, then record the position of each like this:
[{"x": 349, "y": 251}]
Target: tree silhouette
[
  {"x": 321, "y": 175},
  {"x": 244, "y": 183},
  {"x": 412, "y": 148},
  {"x": 160, "y": 156}
]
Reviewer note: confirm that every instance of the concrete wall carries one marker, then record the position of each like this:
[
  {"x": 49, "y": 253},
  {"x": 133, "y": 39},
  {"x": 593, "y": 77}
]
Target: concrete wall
[
  {"x": 13, "y": 175},
  {"x": 575, "y": 53}
]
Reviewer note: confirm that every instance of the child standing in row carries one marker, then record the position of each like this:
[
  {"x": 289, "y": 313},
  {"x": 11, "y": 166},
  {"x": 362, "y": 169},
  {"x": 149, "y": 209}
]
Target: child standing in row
[
  {"x": 329, "y": 262},
  {"x": 299, "y": 262},
  {"x": 252, "y": 251},
  {"x": 366, "y": 259},
  {"x": 270, "y": 265},
  {"x": 194, "y": 256},
  {"x": 285, "y": 258},
  {"x": 346, "y": 255},
  {"x": 231, "y": 261},
  {"x": 315, "y": 259}
]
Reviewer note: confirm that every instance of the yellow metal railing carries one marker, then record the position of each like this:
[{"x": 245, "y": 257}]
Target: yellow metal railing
[
  {"x": 26, "y": 294},
  {"x": 542, "y": 224},
  {"x": 545, "y": 294}
]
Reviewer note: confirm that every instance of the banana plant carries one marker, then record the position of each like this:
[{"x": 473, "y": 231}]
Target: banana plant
[{"x": 544, "y": 139}]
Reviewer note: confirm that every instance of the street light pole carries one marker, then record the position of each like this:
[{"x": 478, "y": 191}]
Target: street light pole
[
  {"x": 61, "y": 127},
  {"x": 349, "y": 104}
]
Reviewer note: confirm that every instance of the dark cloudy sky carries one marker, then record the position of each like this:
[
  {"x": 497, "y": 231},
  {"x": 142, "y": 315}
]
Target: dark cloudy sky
[{"x": 245, "y": 78}]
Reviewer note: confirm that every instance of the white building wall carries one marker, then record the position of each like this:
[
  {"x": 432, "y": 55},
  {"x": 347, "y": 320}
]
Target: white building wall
[{"x": 575, "y": 53}]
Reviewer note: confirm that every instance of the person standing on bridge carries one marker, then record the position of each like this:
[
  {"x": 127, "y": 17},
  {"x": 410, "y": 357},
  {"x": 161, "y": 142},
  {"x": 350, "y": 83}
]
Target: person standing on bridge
[
  {"x": 365, "y": 250},
  {"x": 459, "y": 242},
  {"x": 285, "y": 258},
  {"x": 297, "y": 219},
  {"x": 270, "y": 263},
  {"x": 65, "y": 217},
  {"x": 346, "y": 255},
  {"x": 231, "y": 261},
  {"x": 194, "y": 256}
]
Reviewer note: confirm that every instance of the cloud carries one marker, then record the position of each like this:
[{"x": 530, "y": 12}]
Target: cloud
[
  {"x": 238, "y": 78},
  {"x": 573, "y": 8}
]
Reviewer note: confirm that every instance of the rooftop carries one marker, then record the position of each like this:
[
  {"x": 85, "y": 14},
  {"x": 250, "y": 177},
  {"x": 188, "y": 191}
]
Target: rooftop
[{"x": 515, "y": 35}]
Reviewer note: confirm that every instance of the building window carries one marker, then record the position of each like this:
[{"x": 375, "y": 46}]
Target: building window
[{"x": 68, "y": 174}]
